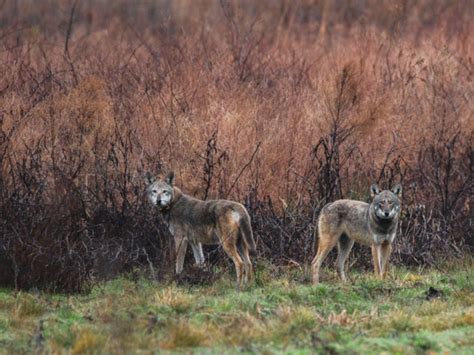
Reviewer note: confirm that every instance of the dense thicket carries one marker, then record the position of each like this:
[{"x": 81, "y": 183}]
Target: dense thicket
[{"x": 282, "y": 105}]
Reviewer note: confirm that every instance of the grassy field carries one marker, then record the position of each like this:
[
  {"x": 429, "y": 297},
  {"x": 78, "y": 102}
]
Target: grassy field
[{"x": 415, "y": 311}]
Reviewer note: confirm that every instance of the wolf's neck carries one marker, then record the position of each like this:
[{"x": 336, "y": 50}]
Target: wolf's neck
[
  {"x": 381, "y": 226},
  {"x": 178, "y": 195}
]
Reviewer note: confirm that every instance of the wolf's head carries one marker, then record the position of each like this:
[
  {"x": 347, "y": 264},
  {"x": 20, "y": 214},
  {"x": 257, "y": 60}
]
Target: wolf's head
[
  {"x": 386, "y": 203},
  {"x": 160, "y": 193}
]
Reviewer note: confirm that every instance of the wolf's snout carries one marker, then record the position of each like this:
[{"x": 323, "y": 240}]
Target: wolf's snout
[{"x": 387, "y": 214}]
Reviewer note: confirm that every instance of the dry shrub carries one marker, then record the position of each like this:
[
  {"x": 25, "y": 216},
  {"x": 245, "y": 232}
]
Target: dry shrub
[
  {"x": 283, "y": 106},
  {"x": 171, "y": 297},
  {"x": 88, "y": 342},
  {"x": 184, "y": 335}
]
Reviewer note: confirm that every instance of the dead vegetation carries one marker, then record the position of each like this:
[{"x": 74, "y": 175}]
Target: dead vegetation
[
  {"x": 282, "y": 105},
  {"x": 281, "y": 314}
]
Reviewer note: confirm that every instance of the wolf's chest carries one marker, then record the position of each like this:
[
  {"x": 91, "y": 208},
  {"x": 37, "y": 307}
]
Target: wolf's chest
[
  {"x": 368, "y": 237},
  {"x": 383, "y": 238}
]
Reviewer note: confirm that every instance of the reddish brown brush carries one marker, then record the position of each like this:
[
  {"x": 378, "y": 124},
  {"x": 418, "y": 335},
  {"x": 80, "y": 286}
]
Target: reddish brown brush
[{"x": 282, "y": 105}]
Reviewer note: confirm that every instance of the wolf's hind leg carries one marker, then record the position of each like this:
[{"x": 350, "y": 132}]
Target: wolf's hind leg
[
  {"x": 325, "y": 245},
  {"x": 231, "y": 250},
  {"x": 248, "y": 268},
  {"x": 344, "y": 246},
  {"x": 228, "y": 235}
]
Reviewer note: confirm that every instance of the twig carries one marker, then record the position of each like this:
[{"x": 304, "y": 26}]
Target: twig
[
  {"x": 243, "y": 169},
  {"x": 67, "y": 55}
]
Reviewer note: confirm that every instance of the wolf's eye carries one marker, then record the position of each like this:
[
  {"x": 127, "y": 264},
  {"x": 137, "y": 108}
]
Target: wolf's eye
[{"x": 154, "y": 191}]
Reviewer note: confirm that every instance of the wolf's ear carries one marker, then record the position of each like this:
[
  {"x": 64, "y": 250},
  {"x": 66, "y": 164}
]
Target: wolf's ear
[
  {"x": 374, "y": 190},
  {"x": 170, "y": 178},
  {"x": 397, "y": 190},
  {"x": 149, "y": 178}
]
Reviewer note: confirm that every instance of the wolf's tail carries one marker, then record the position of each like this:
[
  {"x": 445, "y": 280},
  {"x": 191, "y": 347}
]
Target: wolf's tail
[{"x": 247, "y": 234}]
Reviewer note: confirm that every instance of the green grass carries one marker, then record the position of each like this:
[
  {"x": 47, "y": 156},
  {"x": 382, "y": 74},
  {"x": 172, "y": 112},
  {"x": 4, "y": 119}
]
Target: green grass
[{"x": 279, "y": 314}]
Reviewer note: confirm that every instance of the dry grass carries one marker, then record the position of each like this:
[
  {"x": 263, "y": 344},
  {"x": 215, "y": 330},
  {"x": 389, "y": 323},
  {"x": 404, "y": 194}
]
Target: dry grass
[
  {"x": 282, "y": 314},
  {"x": 88, "y": 341}
]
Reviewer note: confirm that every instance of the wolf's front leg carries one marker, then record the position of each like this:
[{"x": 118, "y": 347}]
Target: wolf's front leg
[
  {"x": 385, "y": 251},
  {"x": 181, "y": 246},
  {"x": 198, "y": 254},
  {"x": 375, "y": 259}
]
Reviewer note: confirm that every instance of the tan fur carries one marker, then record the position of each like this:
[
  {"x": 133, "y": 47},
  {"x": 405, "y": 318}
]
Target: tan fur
[
  {"x": 200, "y": 222},
  {"x": 345, "y": 221}
]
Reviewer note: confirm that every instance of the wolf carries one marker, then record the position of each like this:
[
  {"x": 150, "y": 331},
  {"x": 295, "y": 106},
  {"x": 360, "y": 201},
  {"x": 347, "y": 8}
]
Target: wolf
[
  {"x": 344, "y": 221},
  {"x": 198, "y": 222}
]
